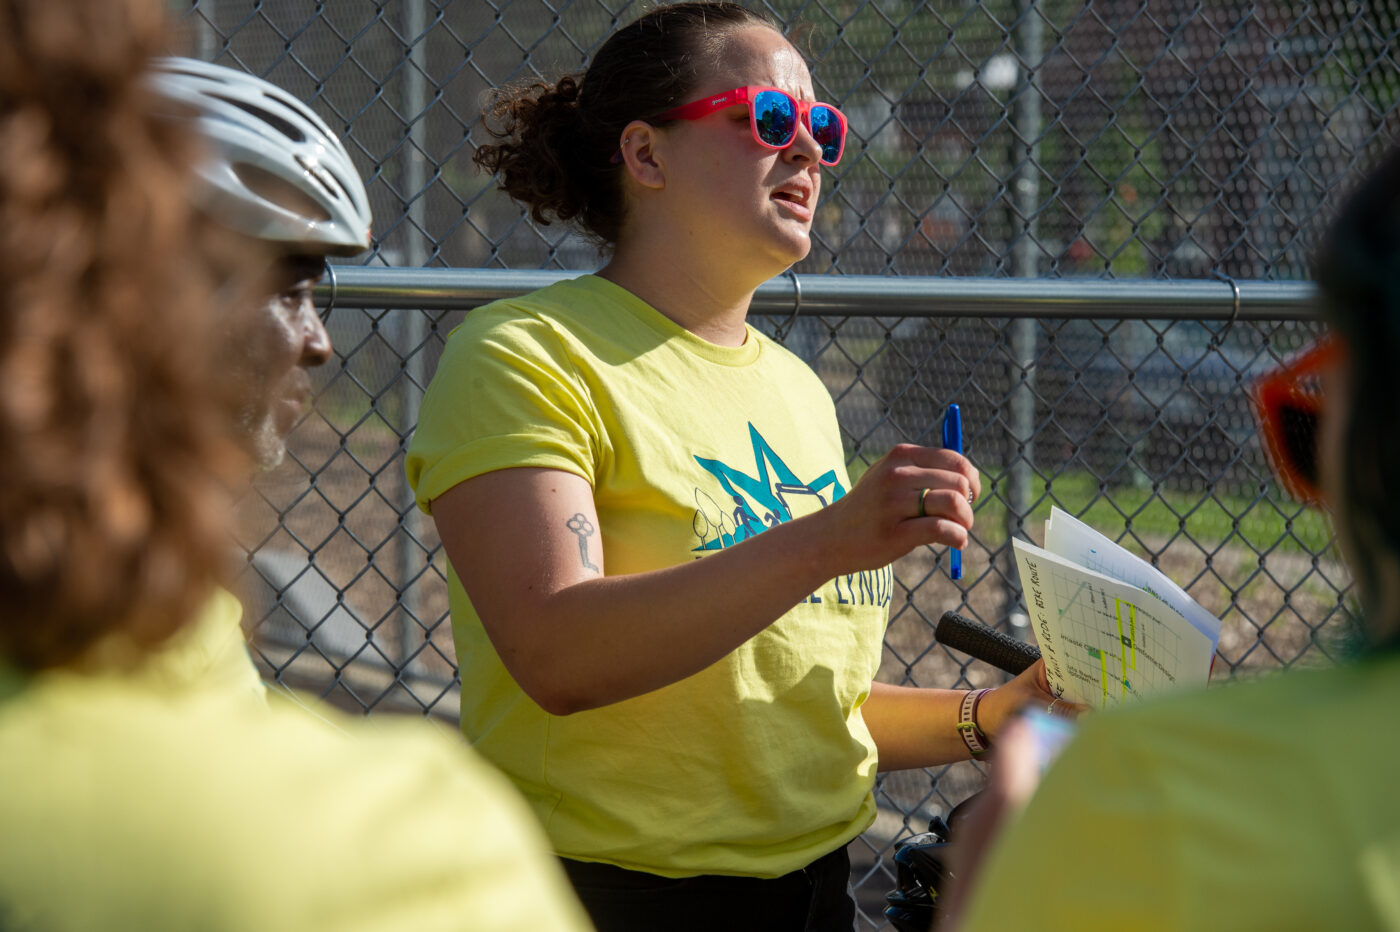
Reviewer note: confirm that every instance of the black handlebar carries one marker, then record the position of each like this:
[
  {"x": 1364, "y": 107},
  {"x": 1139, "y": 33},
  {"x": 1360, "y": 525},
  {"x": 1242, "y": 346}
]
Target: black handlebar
[{"x": 984, "y": 643}]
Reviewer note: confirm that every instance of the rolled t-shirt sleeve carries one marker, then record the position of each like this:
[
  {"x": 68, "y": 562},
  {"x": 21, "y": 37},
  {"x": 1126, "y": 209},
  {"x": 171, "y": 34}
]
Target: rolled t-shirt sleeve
[{"x": 506, "y": 394}]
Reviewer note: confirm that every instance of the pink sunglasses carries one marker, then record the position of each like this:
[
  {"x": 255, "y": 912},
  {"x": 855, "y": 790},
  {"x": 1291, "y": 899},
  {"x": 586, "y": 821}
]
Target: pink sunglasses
[{"x": 773, "y": 117}]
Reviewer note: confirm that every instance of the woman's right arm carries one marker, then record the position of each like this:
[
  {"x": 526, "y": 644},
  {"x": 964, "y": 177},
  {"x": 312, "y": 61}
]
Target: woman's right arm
[{"x": 525, "y": 544}]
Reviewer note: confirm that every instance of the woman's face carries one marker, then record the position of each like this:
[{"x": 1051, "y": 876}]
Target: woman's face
[{"x": 741, "y": 204}]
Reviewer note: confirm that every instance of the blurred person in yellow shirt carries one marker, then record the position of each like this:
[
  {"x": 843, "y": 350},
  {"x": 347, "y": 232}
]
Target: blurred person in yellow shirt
[
  {"x": 137, "y": 790},
  {"x": 1263, "y": 805}
]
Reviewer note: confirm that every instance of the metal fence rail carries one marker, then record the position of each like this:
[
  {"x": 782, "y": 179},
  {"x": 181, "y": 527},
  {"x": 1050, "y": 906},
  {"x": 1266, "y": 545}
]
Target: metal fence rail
[
  {"x": 866, "y": 295},
  {"x": 1085, "y": 221}
]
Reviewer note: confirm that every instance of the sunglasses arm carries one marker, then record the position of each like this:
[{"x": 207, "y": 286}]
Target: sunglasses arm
[{"x": 705, "y": 106}]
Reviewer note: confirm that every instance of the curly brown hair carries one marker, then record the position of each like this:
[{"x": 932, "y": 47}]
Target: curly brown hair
[
  {"x": 558, "y": 139},
  {"x": 112, "y": 439}
]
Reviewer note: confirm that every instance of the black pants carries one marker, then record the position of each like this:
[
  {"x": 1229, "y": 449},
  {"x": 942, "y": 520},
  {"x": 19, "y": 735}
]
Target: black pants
[{"x": 814, "y": 899}]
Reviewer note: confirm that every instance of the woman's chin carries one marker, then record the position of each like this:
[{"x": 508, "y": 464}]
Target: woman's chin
[{"x": 792, "y": 248}]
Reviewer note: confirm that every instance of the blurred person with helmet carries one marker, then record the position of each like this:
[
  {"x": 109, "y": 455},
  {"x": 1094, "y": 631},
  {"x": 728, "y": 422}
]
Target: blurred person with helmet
[
  {"x": 273, "y": 182},
  {"x": 274, "y": 172}
]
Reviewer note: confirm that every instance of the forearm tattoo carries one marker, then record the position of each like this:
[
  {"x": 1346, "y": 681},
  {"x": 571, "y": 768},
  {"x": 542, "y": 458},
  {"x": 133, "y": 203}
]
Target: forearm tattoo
[{"x": 583, "y": 529}]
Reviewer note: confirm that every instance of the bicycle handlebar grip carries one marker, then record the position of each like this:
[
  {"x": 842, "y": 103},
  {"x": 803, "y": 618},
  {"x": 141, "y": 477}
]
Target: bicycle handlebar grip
[{"x": 984, "y": 643}]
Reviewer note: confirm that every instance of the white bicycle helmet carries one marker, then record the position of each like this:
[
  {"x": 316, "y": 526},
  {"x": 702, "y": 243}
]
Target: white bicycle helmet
[{"x": 274, "y": 170}]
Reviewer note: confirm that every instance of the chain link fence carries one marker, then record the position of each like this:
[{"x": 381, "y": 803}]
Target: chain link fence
[{"x": 1099, "y": 142}]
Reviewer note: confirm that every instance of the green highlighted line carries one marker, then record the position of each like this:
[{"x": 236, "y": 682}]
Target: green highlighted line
[
  {"x": 1132, "y": 635},
  {"x": 1103, "y": 677},
  {"x": 1122, "y": 644},
  {"x": 1127, "y": 645}
]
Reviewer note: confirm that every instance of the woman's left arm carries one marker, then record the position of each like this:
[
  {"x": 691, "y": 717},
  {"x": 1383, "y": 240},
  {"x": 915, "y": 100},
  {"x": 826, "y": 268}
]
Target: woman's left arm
[{"x": 915, "y": 727}]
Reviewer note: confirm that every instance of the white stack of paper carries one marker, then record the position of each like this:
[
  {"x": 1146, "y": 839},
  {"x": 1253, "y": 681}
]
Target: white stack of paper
[{"x": 1110, "y": 626}]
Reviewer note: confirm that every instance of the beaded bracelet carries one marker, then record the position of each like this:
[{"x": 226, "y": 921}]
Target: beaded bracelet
[{"x": 972, "y": 734}]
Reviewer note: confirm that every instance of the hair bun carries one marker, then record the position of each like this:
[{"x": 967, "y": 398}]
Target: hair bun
[
  {"x": 544, "y": 141},
  {"x": 556, "y": 141}
]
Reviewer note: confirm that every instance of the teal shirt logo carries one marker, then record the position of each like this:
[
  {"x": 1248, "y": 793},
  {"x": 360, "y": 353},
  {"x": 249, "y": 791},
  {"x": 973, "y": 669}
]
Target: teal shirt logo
[{"x": 773, "y": 495}]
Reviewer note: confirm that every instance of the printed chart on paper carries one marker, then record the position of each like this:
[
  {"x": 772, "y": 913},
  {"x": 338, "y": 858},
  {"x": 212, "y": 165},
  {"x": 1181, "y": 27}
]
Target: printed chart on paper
[{"x": 1115, "y": 650}]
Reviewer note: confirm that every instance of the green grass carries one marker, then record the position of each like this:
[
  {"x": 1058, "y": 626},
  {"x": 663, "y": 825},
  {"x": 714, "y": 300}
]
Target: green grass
[{"x": 1268, "y": 521}]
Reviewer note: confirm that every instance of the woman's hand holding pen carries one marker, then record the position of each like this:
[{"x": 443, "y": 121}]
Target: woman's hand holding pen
[{"x": 912, "y": 495}]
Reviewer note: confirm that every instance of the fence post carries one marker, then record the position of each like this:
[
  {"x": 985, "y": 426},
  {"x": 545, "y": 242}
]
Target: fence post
[
  {"x": 411, "y": 330},
  {"x": 1027, "y": 123},
  {"x": 208, "y": 34}
]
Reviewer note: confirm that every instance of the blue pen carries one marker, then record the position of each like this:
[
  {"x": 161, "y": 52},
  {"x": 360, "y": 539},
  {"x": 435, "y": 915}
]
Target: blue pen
[{"x": 952, "y": 440}]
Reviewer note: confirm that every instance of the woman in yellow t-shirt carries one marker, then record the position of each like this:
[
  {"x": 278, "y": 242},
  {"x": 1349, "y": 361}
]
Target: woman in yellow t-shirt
[{"x": 667, "y": 597}]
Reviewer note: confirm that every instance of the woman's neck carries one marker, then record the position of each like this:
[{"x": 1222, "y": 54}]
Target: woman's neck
[{"x": 713, "y": 307}]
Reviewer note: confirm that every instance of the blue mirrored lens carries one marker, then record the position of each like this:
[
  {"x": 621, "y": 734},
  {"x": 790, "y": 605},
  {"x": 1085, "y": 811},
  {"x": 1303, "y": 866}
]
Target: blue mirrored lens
[
  {"x": 826, "y": 130},
  {"x": 775, "y": 115}
]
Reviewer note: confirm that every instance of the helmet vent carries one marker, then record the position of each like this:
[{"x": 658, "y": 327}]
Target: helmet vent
[
  {"x": 271, "y": 119},
  {"x": 189, "y": 72},
  {"x": 280, "y": 192},
  {"x": 318, "y": 173},
  {"x": 344, "y": 192}
]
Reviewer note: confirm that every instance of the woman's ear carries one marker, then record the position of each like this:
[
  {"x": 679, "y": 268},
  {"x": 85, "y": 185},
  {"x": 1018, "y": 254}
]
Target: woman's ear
[{"x": 638, "y": 147}]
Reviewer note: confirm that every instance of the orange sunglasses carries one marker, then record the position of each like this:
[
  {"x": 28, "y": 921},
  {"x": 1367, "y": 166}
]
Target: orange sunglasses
[{"x": 1287, "y": 403}]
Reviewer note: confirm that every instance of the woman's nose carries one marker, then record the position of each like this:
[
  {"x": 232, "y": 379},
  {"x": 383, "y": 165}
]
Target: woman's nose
[{"x": 804, "y": 144}]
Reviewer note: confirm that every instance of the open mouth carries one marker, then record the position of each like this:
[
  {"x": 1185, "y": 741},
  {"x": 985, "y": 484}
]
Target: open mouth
[
  {"x": 797, "y": 202},
  {"x": 792, "y": 197}
]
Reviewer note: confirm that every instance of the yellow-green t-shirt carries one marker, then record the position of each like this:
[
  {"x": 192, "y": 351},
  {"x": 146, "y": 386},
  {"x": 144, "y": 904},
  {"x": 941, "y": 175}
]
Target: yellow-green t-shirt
[
  {"x": 134, "y": 801},
  {"x": 1270, "y": 805},
  {"x": 210, "y": 652},
  {"x": 760, "y": 763}
]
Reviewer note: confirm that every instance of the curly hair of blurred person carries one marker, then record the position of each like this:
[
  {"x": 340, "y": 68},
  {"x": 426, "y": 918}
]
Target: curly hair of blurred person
[{"x": 110, "y": 433}]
